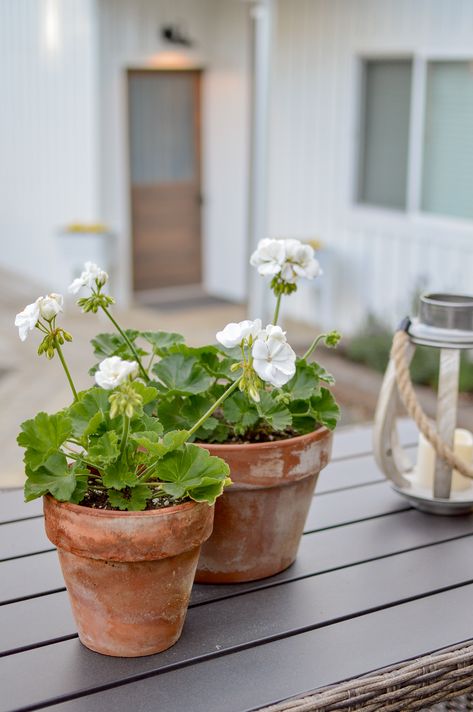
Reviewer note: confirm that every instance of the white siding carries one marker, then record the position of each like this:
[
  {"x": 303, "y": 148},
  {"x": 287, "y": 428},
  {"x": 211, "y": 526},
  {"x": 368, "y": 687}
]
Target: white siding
[
  {"x": 48, "y": 163},
  {"x": 377, "y": 258}
]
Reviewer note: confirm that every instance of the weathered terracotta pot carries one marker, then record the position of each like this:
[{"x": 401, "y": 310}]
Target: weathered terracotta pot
[
  {"x": 128, "y": 574},
  {"x": 260, "y": 518}
]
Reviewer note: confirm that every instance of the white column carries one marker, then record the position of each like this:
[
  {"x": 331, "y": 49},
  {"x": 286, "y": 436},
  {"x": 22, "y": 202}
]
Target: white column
[{"x": 261, "y": 19}]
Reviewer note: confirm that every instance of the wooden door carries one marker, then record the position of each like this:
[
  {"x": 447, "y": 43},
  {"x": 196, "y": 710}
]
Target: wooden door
[{"x": 164, "y": 121}]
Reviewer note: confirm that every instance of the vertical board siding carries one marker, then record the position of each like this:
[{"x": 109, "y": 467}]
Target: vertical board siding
[
  {"x": 378, "y": 259},
  {"x": 48, "y": 164}
]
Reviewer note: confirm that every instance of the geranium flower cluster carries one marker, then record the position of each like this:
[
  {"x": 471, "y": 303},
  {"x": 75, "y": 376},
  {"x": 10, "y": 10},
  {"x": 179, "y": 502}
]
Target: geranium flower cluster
[
  {"x": 92, "y": 276},
  {"x": 269, "y": 354},
  {"x": 46, "y": 308},
  {"x": 285, "y": 261}
]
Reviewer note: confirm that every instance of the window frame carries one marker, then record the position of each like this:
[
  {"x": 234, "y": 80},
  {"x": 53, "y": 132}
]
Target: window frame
[{"x": 413, "y": 210}]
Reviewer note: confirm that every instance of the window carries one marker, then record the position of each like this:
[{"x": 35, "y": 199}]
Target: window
[
  {"x": 385, "y": 133},
  {"x": 426, "y": 167},
  {"x": 447, "y": 176}
]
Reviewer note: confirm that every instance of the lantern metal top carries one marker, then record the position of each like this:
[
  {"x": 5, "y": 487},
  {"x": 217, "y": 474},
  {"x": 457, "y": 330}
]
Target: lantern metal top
[
  {"x": 447, "y": 311},
  {"x": 445, "y": 321}
]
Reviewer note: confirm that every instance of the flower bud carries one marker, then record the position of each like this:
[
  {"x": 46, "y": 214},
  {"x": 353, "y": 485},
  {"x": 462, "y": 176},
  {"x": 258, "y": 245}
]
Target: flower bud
[{"x": 50, "y": 306}]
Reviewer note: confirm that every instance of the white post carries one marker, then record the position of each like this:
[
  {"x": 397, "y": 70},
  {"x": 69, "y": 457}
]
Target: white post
[
  {"x": 446, "y": 416},
  {"x": 261, "y": 19}
]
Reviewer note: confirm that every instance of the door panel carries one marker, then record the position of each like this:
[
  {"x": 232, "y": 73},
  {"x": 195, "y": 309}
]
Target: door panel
[{"x": 164, "y": 110}]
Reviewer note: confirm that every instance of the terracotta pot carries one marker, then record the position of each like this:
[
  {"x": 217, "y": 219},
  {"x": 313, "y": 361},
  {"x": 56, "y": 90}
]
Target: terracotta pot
[
  {"x": 260, "y": 518},
  {"x": 128, "y": 574}
]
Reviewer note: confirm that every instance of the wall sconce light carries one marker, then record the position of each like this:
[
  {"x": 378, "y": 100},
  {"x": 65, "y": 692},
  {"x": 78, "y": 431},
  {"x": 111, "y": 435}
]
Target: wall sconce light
[{"x": 174, "y": 34}]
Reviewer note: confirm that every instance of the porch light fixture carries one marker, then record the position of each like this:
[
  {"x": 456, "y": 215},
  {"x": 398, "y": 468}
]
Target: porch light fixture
[
  {"x": 441, "y": 482},
  {"x": 174, "y": 34}
]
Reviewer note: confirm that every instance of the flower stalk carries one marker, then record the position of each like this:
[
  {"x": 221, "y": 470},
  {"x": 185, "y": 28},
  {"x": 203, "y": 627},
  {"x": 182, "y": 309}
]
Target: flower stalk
[
  {"x": 58, "y": 348},
  {"x": 277, "y": 308},
  {"x": 128, "y": 342},
  {"x": 214, "y": 407}
]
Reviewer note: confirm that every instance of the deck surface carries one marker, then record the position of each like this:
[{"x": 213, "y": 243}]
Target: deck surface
[{"x": 376, "y": 582}]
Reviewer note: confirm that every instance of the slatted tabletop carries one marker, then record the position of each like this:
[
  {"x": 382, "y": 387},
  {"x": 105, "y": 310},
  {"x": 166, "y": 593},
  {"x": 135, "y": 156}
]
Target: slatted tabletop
[{"x": 375, "y": 583}]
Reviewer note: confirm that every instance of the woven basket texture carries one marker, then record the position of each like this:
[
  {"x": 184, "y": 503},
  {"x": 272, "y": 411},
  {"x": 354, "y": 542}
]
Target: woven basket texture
[{"x": 440, "y": 682}]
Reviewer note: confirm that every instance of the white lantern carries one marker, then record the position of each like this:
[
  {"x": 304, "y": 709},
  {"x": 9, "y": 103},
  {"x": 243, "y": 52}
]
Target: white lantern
[{"x": 441, "y": 480}]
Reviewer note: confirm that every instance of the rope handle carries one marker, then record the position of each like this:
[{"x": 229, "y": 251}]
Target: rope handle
[{"x": 409, "y": 399}]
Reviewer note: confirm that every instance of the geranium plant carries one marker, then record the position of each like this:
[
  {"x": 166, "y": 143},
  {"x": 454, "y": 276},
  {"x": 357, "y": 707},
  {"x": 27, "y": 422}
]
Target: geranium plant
[
  {"x": 266, "y": 391},
  {"x": 106, "y": 449},
  {"x": 125, "y": 443}
]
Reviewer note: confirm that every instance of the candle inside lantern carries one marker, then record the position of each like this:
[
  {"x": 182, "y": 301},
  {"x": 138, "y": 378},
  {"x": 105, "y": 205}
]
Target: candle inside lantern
[{"x": 426, "y": 457}]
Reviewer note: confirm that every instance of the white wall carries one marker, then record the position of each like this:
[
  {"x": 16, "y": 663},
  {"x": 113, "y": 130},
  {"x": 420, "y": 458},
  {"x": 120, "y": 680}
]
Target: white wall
[
  {"x": 376, "y": 258},
  {"x": 48, "y": 169},
  {"x": 129, "y": 38}
]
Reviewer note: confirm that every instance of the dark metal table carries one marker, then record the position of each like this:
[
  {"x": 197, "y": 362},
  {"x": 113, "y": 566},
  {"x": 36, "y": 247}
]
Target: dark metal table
[{"x": 376, "y": 583}]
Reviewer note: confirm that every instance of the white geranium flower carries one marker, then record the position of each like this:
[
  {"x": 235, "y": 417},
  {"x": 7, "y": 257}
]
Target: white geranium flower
[
  {"x": 233, "y": 334},
  {"x": 273, "y": 358},
  {"x": 289, "y": 259},
  {"x": 92, "y": 276},
  {"x": 268, "y": 257},
  {"x": 299, "y": 262},
  {"x": 50, "y": 305},
  {"x": 27, "y": 319},
  {"x": 113, "y": 371}
]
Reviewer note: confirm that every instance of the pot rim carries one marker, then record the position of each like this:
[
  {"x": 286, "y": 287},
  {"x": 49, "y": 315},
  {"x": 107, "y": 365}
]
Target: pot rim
[
  {"x": 81, "y": 509},
  {"x": 317, "y": 434}
]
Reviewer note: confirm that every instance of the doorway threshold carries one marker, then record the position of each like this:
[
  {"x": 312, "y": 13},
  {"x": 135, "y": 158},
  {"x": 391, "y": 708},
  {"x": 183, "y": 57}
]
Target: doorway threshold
[{"x": 185, "y": 297}]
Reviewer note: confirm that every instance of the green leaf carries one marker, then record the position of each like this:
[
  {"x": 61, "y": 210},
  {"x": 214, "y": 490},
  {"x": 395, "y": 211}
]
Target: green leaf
[
  {"x": 192, "y": 472},
  {"x": 54, "y": 477},
  {"x": 276, "y": 414},
  {"x": 133, "y": 499},
  {"x": 148, "y": 393},
  {"x": 162, "y": 340},
  {"x": 305, "y": 381},
  {"x": 88, "y": 414},
  {"x": 114, "y": 344},
  {"x": 104, "y": 449},
  {"x": 42, "y": 437},
  {"x": 147, "y": 423},
  {"x": 322, "y": 374},
  {"x": 119, "y": 475},
  {"x": 218, "y": 365},
  {"x": 174, "y": 439},
  {"x": 325, "y": 409},
  {"x": 241, "y": 412},
  {"x": 299, "y": 407},
  {"x": 183, "y": 413},
  {"x": 81, "y": 488},
  {"x": 106, "y": 345},
  {"x": 182, "y": 375}
]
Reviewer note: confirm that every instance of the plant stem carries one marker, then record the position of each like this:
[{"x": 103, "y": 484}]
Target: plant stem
[
  {"x": 313, "y": 345},
  {"x": 276, "y": 310},
  {"x": 126, "y": 427},
  {"x": 147, "y": 473},
  {"x": 64, "y": 365},
  {"x": 214, "y": 407},
  {"x": 129, "y": 343}
]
